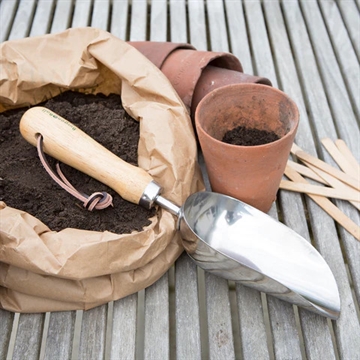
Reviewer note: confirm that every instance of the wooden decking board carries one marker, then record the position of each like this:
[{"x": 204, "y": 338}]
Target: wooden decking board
[
  {"x": 93, "y": 331},
  {"x": 221, "y": 342},
  {"x": 6, "y": 321},
  {"x": 178, "y": 21},
  {"x": 284, "y": 330},
  {"x": 322, "y": 120},
  {"x": 217, "y": 26},
  {"x": 100, "y": 16},
  {"x": 23, "y": 19},
  {"x": 260, "y": 47},
  {"x": 350, "y": 13},
  {"x": 157, "y": 326},
  {"x": 29, "y": 336},
  {"x": 317, "y": 336},
  {"x": 238, "y": 34},
  {"x": 7, "y": 14},
  {"x": 60, "y": 334},
  {"x": 42, "y": 18},
  {"x": 344, "y": 50},
  {"x": 158, "y": 21},
  {"x": 187, "y": 310},
  {"x": 82, "y": 14},
  {"x": 123, "y": 336},
  {"x": 308, "y": 74},
  {"x": 323, "y": 228},
  {"x": 253, "y": 333},
  {"x": 197, "y": 24},
  {"x": 119, "y": 19},
  {"x": 138, "y": 20},
  {"x": 289, "y": 84},
  {"x": 63, "y": 16},
  {"x": 333, "y": 82}
]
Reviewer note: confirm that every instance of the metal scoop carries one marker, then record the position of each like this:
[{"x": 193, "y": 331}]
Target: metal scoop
[{"x": 221, "y": 234}]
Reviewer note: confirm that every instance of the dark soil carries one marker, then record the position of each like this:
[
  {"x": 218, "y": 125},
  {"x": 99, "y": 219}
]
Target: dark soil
[
  {"x": 25, "y": 185},
  {"x": 249, "y": 137}
]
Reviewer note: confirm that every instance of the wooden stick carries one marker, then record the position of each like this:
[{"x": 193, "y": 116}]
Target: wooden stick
[
  {"x": 306, "y": 171},
  {"x": 329, "y": 207},
  {"x": 344, "y": 194},
  {"x": 335, "y": 183},
  {"x": 343, "y": 148},
  {"x": 307, "y": 158},
  {"x": 339, "y": 158}
]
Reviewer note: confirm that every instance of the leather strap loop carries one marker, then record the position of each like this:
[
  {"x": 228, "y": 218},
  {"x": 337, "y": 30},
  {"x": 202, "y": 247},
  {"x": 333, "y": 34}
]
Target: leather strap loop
[{"x": 97, "y": 200}]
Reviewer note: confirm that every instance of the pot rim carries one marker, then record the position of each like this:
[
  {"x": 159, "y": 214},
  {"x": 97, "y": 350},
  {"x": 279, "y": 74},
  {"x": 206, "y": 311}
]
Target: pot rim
[{"x": 215, "y": 92}]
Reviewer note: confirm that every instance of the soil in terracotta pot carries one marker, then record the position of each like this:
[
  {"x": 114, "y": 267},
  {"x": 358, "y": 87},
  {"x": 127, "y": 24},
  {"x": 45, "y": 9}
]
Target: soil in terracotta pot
[
  {"x": 25, "y": 185},
  {"x": 244, "y": 136}
]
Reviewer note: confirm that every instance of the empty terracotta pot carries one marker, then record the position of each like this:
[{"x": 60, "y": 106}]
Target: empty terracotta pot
[
  {"x": 158, "y": 51},
  {"x": 249, "y": 173},
  {"x": 184, "y": 68},
  {"x": 214, "y": 77},
  {"x": 193, "y": 73}
]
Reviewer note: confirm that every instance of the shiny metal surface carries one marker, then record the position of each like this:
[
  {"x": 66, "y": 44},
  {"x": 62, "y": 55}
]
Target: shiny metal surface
[
  {"x": 150, "y": 194},
  {"x": 236, "y": 241},
  {"x": 169, "y": 206}
]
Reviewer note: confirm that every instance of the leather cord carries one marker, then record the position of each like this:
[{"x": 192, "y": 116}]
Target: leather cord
[{"x": 97, "y": 200}]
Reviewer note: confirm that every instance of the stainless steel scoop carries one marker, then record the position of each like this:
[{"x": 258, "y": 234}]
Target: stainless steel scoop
[{"x": 221, "y": 234}]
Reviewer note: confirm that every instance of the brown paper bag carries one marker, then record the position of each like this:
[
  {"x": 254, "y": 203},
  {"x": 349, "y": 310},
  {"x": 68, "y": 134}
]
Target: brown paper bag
[{"x": 43, "y": 270}]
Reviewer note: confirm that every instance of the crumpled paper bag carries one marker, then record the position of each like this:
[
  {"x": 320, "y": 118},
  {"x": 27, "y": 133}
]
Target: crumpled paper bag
[{"x": 43, "y": 270}]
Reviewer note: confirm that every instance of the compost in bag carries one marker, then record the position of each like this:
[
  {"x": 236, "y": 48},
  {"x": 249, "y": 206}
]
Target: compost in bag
[
  {"x": 25, "y": 184},
  {"x": 46, "y": 269}
]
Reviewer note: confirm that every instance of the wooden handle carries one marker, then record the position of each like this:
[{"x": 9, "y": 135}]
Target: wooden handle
[{"x": 67, "y": 143}]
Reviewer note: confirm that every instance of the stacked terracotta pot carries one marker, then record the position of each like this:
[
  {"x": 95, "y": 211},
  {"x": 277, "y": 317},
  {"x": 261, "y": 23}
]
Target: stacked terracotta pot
[
  {"x": 217, "y": 93},
  {"x": 193, "y": 73}
]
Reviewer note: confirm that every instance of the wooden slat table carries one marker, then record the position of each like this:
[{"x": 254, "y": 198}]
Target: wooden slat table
[{"x": 309, "y": 49}]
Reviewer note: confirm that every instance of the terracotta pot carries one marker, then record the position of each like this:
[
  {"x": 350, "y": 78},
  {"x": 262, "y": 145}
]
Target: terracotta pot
[
  {"x": 184, "y": 69},
  {"x": 194, "y": 73},
  {"x": 213, "y": 77},
  {"x": 249, "y": 173},
  {"x": 157, "y": 51}
]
